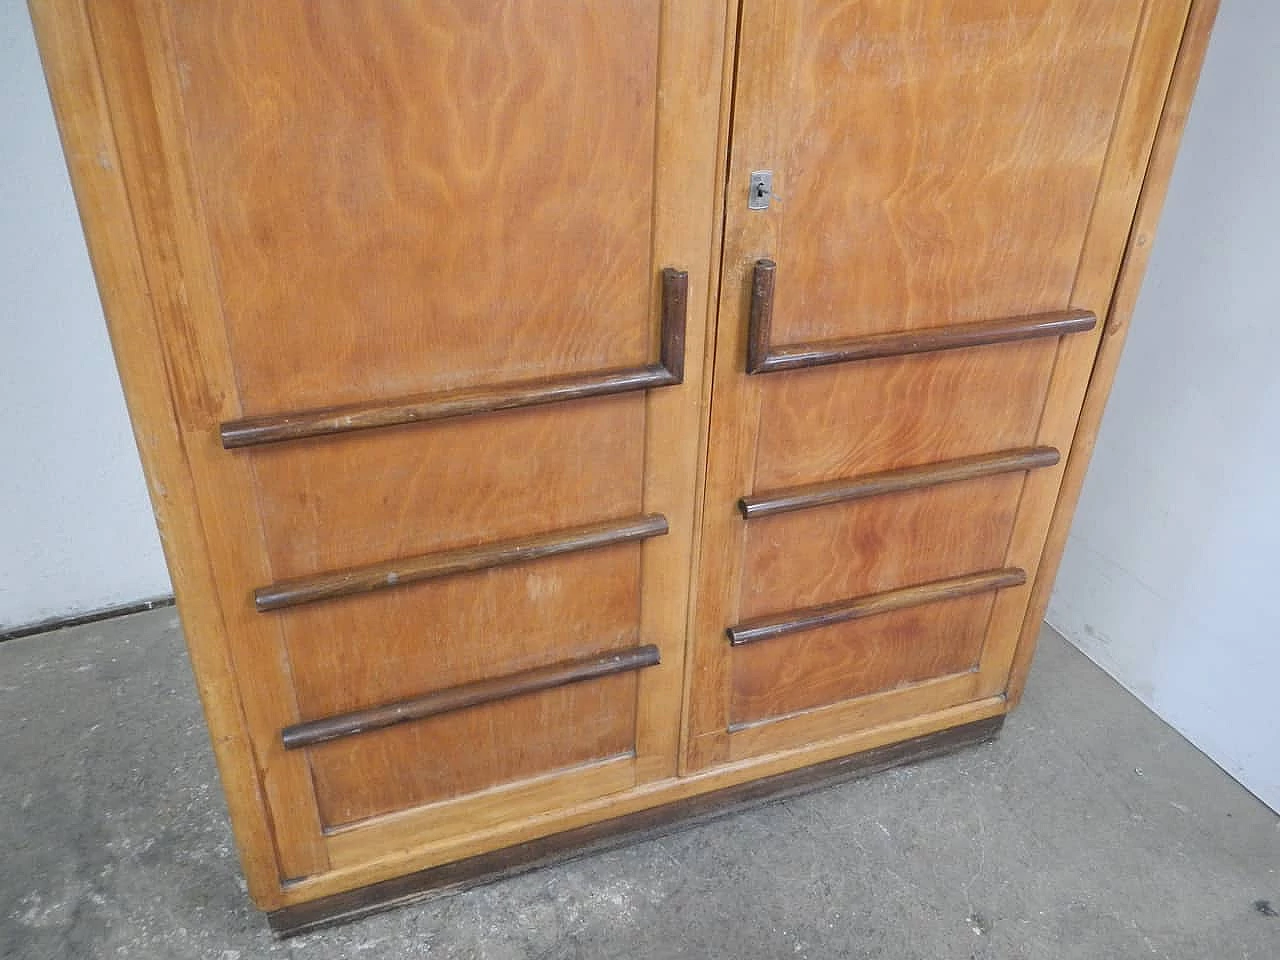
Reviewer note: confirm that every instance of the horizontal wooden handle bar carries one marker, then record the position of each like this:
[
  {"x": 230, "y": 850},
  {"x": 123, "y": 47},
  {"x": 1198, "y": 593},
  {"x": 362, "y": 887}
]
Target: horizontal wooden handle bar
[
  {"x": 468, "y": 695},
  {"x": 826, "y": 615},
  {"x": 440, "y": 406},
  {"x": 896, "y": 481},
  {"x": 423, "y": 408},
  {"x": 446, "y": 563},
  {"x": 763, "y": 357}
]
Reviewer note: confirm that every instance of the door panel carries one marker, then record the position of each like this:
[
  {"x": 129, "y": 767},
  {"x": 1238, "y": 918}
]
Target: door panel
[
  {"x": 358, "y": 651},
  {"x": 403, "y": 254},
  {"x": 465, "y": 752},
  {"x": 926, "y": 148},
  {"x": 363, "y": 497},
  {"x": 399, "y": 196},
  {"x": 828, "y": 553},
  {"x": 838, "y": 421},
  {"x": 851, "y": 660},
  {"x": 952, "y": 185}
]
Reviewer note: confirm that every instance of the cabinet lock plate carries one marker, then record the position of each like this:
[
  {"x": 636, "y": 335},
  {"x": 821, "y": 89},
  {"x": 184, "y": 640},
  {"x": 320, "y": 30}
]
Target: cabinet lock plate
[{"x": 761, "y": 190}]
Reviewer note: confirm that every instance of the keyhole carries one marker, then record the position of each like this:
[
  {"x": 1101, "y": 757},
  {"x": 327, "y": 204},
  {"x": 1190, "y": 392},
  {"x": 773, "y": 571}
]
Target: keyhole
[{"x": 760, "y": 191}]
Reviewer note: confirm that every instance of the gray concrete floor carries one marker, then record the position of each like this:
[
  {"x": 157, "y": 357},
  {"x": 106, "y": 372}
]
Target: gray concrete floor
[{"x": 1088, "y": 830}]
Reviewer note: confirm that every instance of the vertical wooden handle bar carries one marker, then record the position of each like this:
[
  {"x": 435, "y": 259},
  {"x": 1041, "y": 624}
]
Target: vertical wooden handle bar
[
  {"x": 761, "y": 316},
  {"x": 675, "y": 310}
]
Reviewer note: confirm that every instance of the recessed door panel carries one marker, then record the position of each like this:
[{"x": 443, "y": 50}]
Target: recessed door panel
[
  {"x": 773, "y": 680},
  {"x": 403, "y": 197},
  {"x": 935, "y": 162},
  {"x": 839, "y": 421},
  {"x": 452, "y": 755},
  {"x": 368, "y": 496},
  {"x": 361, "y": 651},
  {"x": 829, "y": 553}
]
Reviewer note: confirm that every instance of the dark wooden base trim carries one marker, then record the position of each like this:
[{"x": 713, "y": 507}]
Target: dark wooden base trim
[{"x": 609, "y": 834}]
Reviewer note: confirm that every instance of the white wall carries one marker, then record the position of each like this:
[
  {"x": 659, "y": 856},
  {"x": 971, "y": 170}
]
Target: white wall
[
  {"x": 76, "y": 532},
  {"x": 1173, "y": 568}
]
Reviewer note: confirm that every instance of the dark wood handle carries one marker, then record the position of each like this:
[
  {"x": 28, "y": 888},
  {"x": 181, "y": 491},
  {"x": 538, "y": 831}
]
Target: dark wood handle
[
  {"x": 675, "y": 315},
  {"x": 764, "y": 357},
  {"x": 760, "y": 321},
  {"x": 770, "y": 502},
  {"x": 829, "y": 614},
  {"x": 468, "y": 695},
  {"x": 447, "y": 563},
  {"x": 423, "y": 408}
]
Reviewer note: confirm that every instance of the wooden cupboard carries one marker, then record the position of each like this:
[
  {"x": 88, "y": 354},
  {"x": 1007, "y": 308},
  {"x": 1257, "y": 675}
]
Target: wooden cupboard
[{"x": 564, "y": 417}]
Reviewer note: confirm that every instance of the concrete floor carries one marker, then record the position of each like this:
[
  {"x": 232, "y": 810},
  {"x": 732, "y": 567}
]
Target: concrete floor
[{"x": 1088, "y": 830}]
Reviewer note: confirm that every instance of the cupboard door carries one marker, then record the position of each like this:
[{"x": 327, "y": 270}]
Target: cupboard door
[
  {"x": 910, "y": 304},
  {"x": 433, "y": 331}
]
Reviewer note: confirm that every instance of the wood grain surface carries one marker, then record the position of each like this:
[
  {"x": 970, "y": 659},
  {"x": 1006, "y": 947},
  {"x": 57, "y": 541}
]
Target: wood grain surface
[
  {"x": 472, "y": 751},
  {"x": 359, "y": 651},
  {"x": 362, "y": 498},
  {"x": 974, "y": 206},
  {"x": 831, "y": 422},
  {"x": 857, "y": 658},
  {"x": 405, "y": 198},
  {"x": 865, "y": 546},
  {"x": 973, "y": 203}
]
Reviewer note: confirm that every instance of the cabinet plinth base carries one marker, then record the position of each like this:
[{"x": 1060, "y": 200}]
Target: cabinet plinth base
[{"x": 461, "y": 875}]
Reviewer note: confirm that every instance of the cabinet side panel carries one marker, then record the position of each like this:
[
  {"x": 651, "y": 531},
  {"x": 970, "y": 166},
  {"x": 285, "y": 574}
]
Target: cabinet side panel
[{"x": 1155, "y": 185}]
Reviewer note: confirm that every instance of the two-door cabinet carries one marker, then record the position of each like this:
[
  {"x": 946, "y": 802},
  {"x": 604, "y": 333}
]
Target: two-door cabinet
[{"x": 565, "y": 417}]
